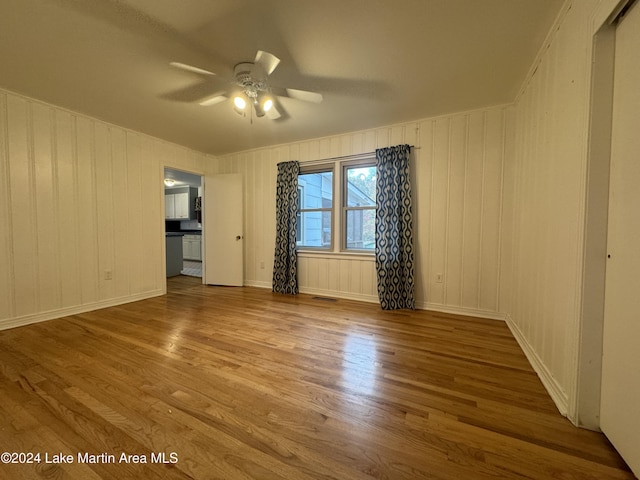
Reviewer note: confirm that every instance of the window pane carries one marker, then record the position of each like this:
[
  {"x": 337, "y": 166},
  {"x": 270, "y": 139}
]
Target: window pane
[
  {"x": 361, "y": 186},
  {"x": 314, "y": 229},
  {"x": 317, "y": 190},
  {"x": 361, "y": 229}
]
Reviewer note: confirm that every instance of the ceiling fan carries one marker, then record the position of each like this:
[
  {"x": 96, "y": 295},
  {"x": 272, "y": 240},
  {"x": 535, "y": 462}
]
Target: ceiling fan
[{"x": 250, "y": 87}]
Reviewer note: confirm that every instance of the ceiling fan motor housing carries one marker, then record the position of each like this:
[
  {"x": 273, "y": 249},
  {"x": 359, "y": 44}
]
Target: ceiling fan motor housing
[{"x": 243, "y": 73}]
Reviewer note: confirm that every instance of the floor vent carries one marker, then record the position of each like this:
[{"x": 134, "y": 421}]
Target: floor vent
[{"x": 325, "y": 299}]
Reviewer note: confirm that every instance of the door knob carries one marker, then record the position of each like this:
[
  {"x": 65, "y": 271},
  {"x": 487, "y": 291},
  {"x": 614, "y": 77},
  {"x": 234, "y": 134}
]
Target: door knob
[{"x": 238, "y": 237}]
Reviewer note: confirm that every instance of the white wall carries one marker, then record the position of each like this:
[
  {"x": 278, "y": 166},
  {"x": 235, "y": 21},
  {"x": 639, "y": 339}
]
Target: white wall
[
  {"x": 458, "y": 177},
  {"x": 78, "y": 197},
  {"x": 549, "y": 204}
]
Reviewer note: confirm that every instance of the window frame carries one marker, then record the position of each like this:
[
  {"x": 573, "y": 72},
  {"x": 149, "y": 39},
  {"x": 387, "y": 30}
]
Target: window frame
[
  {"x": 300, "y": 220},
  {"x": 345, "y": 209},
  {"x": 310, "y": 169},
  {"x": 338, "y": 168}
]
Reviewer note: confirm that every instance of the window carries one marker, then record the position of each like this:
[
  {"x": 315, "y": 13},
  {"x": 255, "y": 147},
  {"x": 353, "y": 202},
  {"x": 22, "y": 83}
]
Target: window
[
  {"x": 315, "y": 212},
  {"x": 355, "y": 207},
  {"x": 359, "y": 206}
]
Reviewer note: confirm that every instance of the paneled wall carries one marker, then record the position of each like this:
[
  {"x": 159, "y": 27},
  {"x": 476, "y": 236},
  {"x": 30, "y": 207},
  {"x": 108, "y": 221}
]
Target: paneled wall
[
  {"x": 458, "y": 170},
  {"x": 549, "y": 178},
  {"x": 499, "y": 208},
  {"x": 80, "y": 211}
]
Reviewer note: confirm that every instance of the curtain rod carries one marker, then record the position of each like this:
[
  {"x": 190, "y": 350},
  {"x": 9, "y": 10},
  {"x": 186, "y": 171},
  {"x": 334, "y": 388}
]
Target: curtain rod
[{"x": 356, "y": 156}]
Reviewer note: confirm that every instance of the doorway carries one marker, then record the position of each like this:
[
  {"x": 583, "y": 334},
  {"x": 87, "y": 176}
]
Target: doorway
[{"x": 183, "y": 196}]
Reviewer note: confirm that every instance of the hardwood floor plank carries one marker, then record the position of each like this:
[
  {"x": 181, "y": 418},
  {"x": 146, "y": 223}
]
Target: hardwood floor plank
[{"x": 244, "y": 384}]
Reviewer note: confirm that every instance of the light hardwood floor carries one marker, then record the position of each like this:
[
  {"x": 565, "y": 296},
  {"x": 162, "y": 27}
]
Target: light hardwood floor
[{"x": 241, "y": 383}]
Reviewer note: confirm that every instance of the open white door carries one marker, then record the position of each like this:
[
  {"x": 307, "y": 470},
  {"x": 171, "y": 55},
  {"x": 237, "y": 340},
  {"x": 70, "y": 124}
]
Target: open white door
[
  {"x": 620, "y": 405},
  {"x": 223, "y": 230}
]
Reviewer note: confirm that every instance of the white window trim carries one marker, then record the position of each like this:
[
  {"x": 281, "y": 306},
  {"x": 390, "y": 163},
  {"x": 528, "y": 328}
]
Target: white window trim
[
  {"x": 301, "y": 218},
  {"x": 368, "y": 162},
  {"x": 338, "y": 248},
  {"x": 325, "y": 166}
]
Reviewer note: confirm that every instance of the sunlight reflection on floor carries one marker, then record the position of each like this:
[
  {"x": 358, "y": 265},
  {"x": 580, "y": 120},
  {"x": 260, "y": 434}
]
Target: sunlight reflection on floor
[{"x": 359, "y": 363}]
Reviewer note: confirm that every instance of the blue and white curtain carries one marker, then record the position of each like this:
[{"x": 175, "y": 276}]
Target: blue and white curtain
[
  {"x": 394, "y": 228},
  {"x": 285, "y": 265}
]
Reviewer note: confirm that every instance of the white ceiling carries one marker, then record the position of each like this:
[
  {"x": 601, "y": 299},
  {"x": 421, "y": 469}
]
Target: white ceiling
[
  {"x": 377, "y": 62},
  {"x": 182, "y": 179}
]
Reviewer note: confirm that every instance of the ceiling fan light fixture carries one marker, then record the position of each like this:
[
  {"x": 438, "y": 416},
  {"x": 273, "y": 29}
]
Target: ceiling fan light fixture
[
  {"x": 251, "y": 90},
  {"x": 239, "y": 102},
  {"x": 257, "y": 106}
]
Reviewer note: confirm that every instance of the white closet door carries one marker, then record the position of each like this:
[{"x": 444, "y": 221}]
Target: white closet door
[{"x": 620, "y": 407}]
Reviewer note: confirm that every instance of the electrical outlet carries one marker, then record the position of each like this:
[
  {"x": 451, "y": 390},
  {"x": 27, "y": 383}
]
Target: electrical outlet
[
  {"x": 261, "y": 265},
  {"x": 438, "y": 278},
  {"x": 108, "y": 275}
]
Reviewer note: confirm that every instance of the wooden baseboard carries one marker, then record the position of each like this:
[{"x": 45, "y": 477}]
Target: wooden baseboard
[
  {"x": 254, "y": 283},
  {"x": 469, "y": 312},
  {"x": 557, "y": 394},
  {"x": 338, "y": 294},
  {"x": 65, "y": 312}
]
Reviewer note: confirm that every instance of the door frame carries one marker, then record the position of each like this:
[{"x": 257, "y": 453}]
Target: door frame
[
  {"x": 200, "y": 174},
  {"x": 586, "y": 403}
]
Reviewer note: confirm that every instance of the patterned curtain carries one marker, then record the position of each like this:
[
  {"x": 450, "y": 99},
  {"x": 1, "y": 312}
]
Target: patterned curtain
[
  {"x": 394, "y": 228},
  {"x": 285, "y": 265}
]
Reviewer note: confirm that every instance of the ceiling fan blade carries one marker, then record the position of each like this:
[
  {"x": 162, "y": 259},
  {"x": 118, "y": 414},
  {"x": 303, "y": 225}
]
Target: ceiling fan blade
[
  {"x": 304, "y": 95},
  {"x": 267, "y": 61},
  {"x": 213, "y": 100},
  {"x": 191, "y": 68},
  {"x": 273, "y": 113}
]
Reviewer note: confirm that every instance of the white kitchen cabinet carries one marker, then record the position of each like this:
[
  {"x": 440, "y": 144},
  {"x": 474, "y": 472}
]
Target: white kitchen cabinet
[
  {"x": 169, "y": 206},
  {"x": 179, "y": 204},
  {"x": 192, "y": 247}
]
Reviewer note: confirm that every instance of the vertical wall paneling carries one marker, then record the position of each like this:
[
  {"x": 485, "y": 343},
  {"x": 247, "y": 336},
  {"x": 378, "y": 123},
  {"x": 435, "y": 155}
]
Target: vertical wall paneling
[
  {"x": 491, "y": 207},
  {"x": 457, "y": 185},
  {"x": 7, "y": 293},
  {"x": 155, "y": 211},
  {"x": 23, "y": 233},
  {"x": 87, "y": 211},
  {"x": 439, "y": 206},
  {"x": 67, "y": 201},
  {"x": 45, "y": 215},
  {"x": 250, "y": 176},
  {"x": 421, "y": 169},
  {"x": 270, "y": 218},
  {"x": 134, "y": 236},
  {"x": 549, "y": 195},
  {"x": 105, "y": 213},
  {"x": 120, "y": 206},
  {"x": 81, "y": 209},
  {"x": 252, "y": 210},
  {"x": 473, "y": 212},
  {"x": 455, "y": 200},
  {"x": 105, "y": 183},
  {"x": 507, "y": 216}
]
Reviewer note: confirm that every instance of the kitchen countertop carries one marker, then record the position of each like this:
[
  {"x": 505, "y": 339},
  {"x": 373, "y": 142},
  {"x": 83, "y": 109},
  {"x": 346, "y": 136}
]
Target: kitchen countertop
[{"x": 183, "y": 233}]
